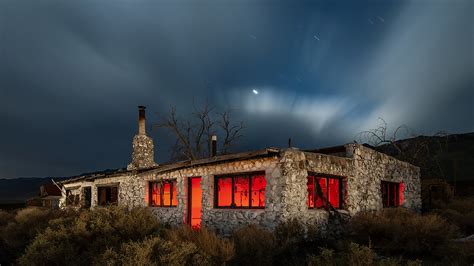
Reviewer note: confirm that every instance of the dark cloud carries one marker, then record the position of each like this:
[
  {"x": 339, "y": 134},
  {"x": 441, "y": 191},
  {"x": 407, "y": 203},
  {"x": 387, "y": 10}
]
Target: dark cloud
[{"x": 72, "y": 73}]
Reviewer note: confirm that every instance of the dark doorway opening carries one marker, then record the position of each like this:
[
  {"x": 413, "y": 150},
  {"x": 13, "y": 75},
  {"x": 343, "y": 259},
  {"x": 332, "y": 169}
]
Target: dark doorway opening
[{"x": 87, "y": 197}]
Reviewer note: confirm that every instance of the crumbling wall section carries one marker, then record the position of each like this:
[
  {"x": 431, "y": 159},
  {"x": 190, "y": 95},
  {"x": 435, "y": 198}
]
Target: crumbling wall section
[
  {"x": 372, "y": 167},
  {"x": 295, "y": 166}
]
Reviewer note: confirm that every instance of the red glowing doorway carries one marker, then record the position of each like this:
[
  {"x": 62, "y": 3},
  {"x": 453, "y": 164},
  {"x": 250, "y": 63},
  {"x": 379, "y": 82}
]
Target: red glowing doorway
[{"x": 194, "y": 202}]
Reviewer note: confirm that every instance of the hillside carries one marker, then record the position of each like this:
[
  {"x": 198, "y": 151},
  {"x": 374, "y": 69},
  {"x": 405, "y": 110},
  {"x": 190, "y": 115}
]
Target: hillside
[{"x": 449, "y": 157}]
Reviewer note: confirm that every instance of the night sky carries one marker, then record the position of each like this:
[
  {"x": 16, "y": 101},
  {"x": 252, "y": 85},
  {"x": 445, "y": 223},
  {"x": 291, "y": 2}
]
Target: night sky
[{"x": 72, "y": 73}]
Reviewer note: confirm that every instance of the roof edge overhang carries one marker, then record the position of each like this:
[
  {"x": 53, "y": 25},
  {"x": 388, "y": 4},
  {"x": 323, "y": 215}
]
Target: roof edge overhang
[{"x": 179, "y": 165}]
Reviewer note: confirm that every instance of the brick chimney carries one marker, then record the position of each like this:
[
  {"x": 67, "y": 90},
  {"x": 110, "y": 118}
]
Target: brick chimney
[{"x": 143, "y": 150}]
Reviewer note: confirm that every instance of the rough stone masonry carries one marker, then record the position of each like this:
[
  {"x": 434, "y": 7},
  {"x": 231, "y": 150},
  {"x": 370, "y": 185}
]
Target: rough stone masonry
[{"x": 364, "y": 176}]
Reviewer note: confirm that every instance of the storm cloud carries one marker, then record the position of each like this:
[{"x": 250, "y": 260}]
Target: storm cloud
[{"x": 72, "y": 73}]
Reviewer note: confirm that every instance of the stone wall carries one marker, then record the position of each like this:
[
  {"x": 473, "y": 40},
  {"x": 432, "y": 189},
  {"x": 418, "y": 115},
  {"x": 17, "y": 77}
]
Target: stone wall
[
  {"x": 296, "y": 166},
  {"x": 371, "y": 167},
  {"x": 142, "y": 153},
  {"x": 286, "y": 190},
  {"x": 222, "y": 220}
]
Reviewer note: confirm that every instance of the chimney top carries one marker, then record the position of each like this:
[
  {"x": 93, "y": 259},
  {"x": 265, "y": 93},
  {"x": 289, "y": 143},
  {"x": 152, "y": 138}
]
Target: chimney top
[
  {"x": 213, "y": 146},
  {"x": 141, "y": 120}
]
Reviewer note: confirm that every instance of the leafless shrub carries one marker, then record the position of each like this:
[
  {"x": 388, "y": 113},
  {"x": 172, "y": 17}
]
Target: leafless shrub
[{"x": 459, "y": 211}]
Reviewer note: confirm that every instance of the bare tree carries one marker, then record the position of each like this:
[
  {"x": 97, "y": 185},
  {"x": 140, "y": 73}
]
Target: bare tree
[
  {"x": 194, "y": 132},
  {"x": 423, "y": 152},
  {"x": 232, "y": 132},
  {"x": 381, "y": 136}
]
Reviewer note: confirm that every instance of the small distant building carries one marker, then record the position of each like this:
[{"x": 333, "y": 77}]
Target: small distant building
[
  {"x": 49, "y": 197},
  {"x": 264, "y": 187}
]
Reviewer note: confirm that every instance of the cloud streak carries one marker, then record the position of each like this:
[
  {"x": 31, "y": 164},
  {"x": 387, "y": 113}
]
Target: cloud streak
[{"x": 72, "y": 73}]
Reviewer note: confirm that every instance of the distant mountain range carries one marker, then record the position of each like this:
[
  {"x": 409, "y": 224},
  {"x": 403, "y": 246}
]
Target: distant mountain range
[
  {"x": 449, "y": 157},
  {"x": 18, "y": 190}
]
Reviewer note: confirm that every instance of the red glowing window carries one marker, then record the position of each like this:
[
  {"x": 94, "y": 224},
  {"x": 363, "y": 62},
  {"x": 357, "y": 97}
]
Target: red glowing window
[
  {"x": 323, "y": 190},
  {"x": 392, "y": 194},
  {"x": 258, "y": 191},
  {"x": 163, "y": 194},
  {"x": 240, "y": 191},
  {"x": 401, "y": 190},
  {"x": 224, "y": 191}
]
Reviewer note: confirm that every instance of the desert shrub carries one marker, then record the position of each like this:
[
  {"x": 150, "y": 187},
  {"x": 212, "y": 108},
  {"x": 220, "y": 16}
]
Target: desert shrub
[
  {"x": 153, "y": 251},
  {"x": 5, "y": 217},
  {"x": 358, "y": 255},
  {"x": 20, "y": 228},
  {"x": 78, "y": 239},
  {"x": 416, "y": 262},
  {"x": 400, "y": 231},
  {"x": 296, "y": 241},
  {"x": 459, "y": 211},
  {"x": 326, "y": 257},
  {"x": 290, "y": 238},
  {"x": 389, "y": 262},
  {"x": 254, "y": 245},
  {"x": 218, "y": 249}
]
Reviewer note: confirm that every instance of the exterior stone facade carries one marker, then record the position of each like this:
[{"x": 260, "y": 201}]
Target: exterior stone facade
[
  {"x": 286, "y": 192},
  {"x": 361, "y": 170}
]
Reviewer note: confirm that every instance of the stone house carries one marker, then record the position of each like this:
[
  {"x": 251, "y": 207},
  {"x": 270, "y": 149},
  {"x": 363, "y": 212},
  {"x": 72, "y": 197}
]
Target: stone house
[{"x": 264, "y": 187}]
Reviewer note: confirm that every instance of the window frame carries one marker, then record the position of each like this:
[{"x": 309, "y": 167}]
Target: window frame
[
  {"x": 72, "y": 200},
  {"x": 342, "y": 190},
  {"x": 173, "y": 182},
  {"x": 233, "y": 176},
  {"x": 397, "y": 199},
  {"x": 105, "y": 186}
]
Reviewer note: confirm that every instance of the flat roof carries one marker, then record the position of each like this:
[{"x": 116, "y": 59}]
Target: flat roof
[{"x": 174, "y": 166}]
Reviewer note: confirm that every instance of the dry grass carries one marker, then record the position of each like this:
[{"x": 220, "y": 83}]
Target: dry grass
[
  {"x": 118, "y": 236},
  {"x": 254, "y": 246},
  {"x": 402, "y": 232},
  {"x": 459, "y": 211},
  {"x": 154, "y": 251},
  {"x": 326, "y": 257},
  {"x": 360, "y": 255},
  {"x": 79, "y": 238},
  {"x": 220, "y": 250},
  {"x": 20, "y": 228},
  {"x": 5, "y": 217}
]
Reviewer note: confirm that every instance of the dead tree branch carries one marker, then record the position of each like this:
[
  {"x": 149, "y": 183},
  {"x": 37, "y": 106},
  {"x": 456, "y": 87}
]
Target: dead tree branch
[{"x": 193, "y": 134}]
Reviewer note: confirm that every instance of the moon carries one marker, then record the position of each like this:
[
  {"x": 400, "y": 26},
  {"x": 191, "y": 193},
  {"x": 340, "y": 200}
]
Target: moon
[{"x": 255, "y": 91}]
